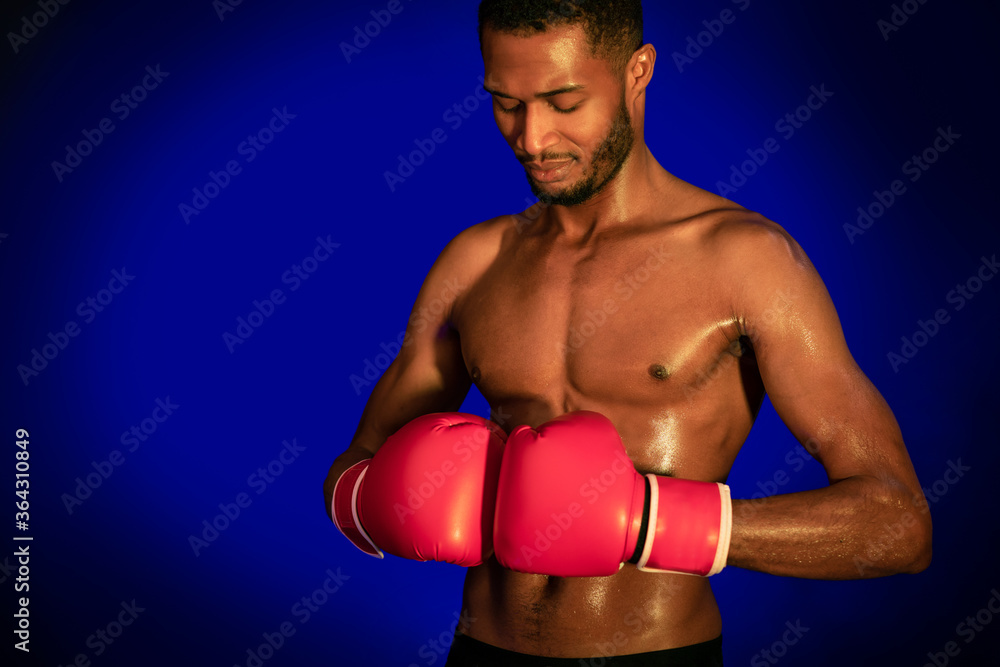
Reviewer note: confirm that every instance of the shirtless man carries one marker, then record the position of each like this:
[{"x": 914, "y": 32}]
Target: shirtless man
[{"x": 664, "y": 308}]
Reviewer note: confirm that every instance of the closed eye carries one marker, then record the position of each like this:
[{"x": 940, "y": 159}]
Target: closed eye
[
  {"x": 561, "y": 110},
  {"x": 516, "y": 107},
  {"x": 504, "y": 109}
]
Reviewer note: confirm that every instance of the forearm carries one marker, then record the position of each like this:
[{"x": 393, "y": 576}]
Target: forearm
[
  {"x": 396, "y": 400},
  {"x": 366, "y": 441},
  {"x": 853, "y": 529},
  {"x": 352, "y": 455}
]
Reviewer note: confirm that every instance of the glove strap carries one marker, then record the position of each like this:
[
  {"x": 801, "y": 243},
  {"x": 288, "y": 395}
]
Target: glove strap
[
  {"x": 345, "y": 508},
  {"x": 690, "y": 525}
]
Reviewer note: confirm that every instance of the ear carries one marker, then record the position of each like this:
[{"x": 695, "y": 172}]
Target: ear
[{"x": 640, "y": 70}]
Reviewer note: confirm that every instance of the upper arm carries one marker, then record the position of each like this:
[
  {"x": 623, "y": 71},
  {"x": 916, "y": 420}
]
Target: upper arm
[
  {"x": 429, "y": 373},
  {"x": 813, "y": 382}
]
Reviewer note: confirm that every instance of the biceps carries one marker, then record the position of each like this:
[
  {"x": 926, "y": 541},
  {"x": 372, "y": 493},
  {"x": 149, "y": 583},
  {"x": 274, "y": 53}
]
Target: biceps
[
  {"x": 830, "y": 406},
  {"x": 814, "y": 383},
  {"x": 431, "y": 364},
  {"x": 819, "y": 391},
  {"x": 427, "y": 376},
  {"x": 431, "y": 352}
]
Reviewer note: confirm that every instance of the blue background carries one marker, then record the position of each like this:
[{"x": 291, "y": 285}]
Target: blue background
[{"x": 322, "y": 176}]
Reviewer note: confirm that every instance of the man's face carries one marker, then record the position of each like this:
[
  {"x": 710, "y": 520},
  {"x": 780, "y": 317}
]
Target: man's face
[{"x": 561, "y": 110}]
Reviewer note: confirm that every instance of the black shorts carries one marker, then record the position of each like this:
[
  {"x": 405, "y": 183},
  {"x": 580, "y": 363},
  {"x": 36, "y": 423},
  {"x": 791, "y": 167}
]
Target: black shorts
[{"x": 468, "y": 652}]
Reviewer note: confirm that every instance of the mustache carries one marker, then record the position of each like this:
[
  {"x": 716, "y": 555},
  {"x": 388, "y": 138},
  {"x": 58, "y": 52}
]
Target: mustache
[{"x": 545, "y": 157}]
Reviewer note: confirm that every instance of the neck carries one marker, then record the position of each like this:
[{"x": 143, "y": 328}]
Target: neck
[{"x": 623, "y": 199}]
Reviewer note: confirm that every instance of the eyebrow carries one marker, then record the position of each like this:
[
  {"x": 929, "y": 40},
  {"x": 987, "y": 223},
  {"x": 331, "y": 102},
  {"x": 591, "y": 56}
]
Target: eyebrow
[{"x": 547, "y": 94}]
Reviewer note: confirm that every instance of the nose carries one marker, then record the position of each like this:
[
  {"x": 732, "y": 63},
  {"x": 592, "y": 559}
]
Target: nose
[{"x": 537, "y": 131}]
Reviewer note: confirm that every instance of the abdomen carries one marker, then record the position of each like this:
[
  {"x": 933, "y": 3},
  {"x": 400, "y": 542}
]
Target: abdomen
[{"x": 582, "y": 617}]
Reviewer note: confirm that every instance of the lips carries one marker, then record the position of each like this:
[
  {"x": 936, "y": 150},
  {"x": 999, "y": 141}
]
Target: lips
[{"x": 549, "y": 172}]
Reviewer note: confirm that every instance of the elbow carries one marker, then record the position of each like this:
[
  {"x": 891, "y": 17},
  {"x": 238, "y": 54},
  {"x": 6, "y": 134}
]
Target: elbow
[
  {"x": 906, "y": 543},
  {"x": 923, "y": 541},
  {"x": 913, "y": 534},
  {"x": 914, "y": 546},
  {"x": 921, "y": 551}
]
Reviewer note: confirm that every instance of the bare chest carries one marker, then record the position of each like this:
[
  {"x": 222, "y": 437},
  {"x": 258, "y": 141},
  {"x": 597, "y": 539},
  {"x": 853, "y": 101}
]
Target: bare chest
[{"x": 632, "y": 323}]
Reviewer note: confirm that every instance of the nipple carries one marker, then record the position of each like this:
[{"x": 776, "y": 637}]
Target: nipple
[{"x": 659, "y": 372}]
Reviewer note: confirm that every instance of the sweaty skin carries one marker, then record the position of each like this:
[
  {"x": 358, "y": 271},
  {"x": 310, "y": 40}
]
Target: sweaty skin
[{"x": 670, "y": 310}]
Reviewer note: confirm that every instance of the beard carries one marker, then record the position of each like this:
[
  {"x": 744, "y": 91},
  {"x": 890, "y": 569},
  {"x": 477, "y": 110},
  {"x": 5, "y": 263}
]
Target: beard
[{"x": 608, "y": 160}]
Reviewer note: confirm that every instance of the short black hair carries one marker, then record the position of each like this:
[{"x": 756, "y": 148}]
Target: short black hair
[{"x": 613, "y": 27}]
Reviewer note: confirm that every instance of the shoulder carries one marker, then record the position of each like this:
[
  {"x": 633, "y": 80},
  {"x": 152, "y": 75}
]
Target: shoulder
[
  {"x": 747, "y": 245},
  {"x": 475, "y": 247},
  {"x": 482, "y": 234},
  {"x": 758, "y": 269},
  {"x": 740, "y": 231},
  {"x": 462, "y": 261}
]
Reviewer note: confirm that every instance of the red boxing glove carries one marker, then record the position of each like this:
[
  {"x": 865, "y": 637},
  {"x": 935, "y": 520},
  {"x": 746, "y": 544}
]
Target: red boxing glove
[
  {"x": 428, "y": 493},
  {"x": 571, "y": 504}
]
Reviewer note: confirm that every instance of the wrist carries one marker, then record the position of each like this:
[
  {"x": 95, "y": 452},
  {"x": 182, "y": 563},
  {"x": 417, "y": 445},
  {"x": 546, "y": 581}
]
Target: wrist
[
  {"x": 689, "y": 525},
  {"x": 345, "y": 509}
]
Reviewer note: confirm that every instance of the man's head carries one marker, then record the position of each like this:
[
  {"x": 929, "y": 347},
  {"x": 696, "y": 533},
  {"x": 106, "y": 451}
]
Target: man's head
[
  {"x": 567, "y": 80},
  {"x": 613, "y": 27}
]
